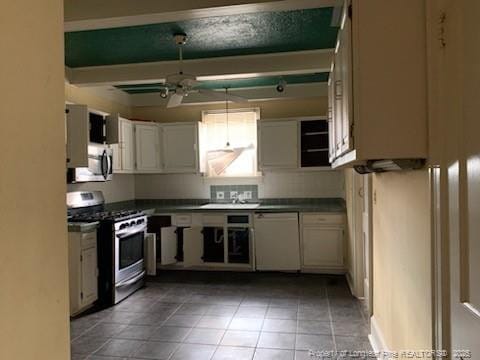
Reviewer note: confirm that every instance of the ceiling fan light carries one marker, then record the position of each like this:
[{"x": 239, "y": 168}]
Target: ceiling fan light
[{"x": 164, "y": 93}]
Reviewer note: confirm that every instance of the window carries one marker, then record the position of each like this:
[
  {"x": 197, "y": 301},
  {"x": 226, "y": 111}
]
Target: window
[{"x": 229, "y": 144}]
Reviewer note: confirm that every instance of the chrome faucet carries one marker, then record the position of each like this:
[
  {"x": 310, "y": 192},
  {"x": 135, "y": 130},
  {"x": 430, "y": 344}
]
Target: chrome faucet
[{"x": 236, "y": 200}]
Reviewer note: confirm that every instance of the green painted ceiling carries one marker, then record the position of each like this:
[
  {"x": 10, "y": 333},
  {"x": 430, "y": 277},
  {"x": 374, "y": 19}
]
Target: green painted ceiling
[
  {"x": 257, "y": 33},
  {"x": 233, "y": 84}
]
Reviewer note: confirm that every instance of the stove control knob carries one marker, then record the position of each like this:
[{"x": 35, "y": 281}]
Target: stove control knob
[
  {"x": 140, "y": 221},
  {"x": 132, "y": 223},
  {"x": 124, "y": 225}
]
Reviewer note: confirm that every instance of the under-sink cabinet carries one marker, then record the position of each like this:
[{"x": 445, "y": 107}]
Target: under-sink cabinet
[
  {"x": 83, "y": 270},
  {"x": 203, "y": 241},
  {"x": 322, "y": 238}
]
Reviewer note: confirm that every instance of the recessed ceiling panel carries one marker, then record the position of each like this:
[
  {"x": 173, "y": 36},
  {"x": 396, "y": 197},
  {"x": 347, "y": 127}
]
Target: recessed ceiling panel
[
  {"x": 255, "y": 82},
  {"x": 247, "y": 34}
]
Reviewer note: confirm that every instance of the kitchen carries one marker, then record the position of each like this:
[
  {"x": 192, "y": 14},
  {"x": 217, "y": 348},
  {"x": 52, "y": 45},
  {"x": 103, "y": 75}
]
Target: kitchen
[
  {"x": 239, "y": 180},
  {"x": 235, "y": 186}
]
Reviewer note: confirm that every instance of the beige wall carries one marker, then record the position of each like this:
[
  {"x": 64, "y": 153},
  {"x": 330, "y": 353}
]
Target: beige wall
[
  {"x": 121, "y": 188},
  {"x": 268, "y": 109},
  {"x": 33, "y": 259},
  {"x": 86, "y": 96},
  {"x": 401, "y": 255}
]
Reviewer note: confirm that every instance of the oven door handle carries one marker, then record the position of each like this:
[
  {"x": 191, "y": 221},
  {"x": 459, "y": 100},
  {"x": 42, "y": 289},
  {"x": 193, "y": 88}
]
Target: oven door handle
[
  {"x": 125, "y": 234},
  {"x": 131, "y": 281}
]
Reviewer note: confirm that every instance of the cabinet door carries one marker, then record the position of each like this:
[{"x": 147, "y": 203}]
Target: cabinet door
[
  {"x": 127, "y": 145},
  {"x": 89, "y": 276},
  {"x": 331, "y": 123},
  {"x": 77, "y": 136},
  {"x": 179, "y": 142},
  {"x": 338, "y": 102},
  {"x": 192, "y": 246},
  {"x": 278, "y": 144},
  {"x": 346, "y": 70},
  {"x": 322, "y": 246},
  {"x": 117, "y": 158},
  {"x": 168, "y": 245},
  {"x": 147, "y": 146}
]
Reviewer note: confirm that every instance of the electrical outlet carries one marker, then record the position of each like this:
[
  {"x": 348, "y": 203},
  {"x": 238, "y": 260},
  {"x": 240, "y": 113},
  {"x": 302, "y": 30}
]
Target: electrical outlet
[
  {"x": 220, "y": 195},
  {"x": 247, "y": 195},
  {"x": 233, "y": 195}
]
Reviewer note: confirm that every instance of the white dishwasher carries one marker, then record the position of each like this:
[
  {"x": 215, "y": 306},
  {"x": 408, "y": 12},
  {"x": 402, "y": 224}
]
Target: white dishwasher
[{"x": 277, "y": 244}]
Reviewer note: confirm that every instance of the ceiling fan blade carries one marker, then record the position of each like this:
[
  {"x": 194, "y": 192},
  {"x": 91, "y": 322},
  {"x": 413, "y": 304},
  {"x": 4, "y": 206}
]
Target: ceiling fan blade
[
  {"x": 174, "y": 101},
  {"x": 236, "y": 98},
  {"x": 221, "y": 95}
]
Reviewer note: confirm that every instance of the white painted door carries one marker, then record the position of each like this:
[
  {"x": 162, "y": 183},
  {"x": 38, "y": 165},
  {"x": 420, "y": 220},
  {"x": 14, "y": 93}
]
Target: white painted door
[
  {"x": 322, "y": 246},
  {"x": 168, "y": 245},
  {"x": 455, "y": 66},
  {"x": 277, "y": 244},
  {"x": 127, "y": 145},
  {"x": 192, "y": 246},
  {"x": 147, "y": 141},
  {"x": 151, "y": 253},
  {"x": 117, "y": 158},
  {"x": 180, "y": 146},
  {"x": 89, "y": 287},
  {"x": 278, "y": 144}
]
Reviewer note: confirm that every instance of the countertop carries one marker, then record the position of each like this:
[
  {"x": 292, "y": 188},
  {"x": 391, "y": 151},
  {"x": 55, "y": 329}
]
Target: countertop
[
  {"x": 82, "y": 227},
  {"x": 334, "y": 205}
]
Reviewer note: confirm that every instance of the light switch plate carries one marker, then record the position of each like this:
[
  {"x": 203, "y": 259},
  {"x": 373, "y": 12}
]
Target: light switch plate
[
  {"x": 220, "y": 195},
  {"x": 247, "y": 195}
]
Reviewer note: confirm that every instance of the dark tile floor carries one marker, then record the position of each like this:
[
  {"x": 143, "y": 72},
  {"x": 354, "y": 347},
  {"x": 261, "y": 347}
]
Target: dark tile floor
[{"x": 220, "y": 316}]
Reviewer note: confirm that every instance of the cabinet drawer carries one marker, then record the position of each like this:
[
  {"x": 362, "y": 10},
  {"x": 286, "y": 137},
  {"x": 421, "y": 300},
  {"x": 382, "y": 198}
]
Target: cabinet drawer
[
  {"x": 319, "y": 219},
  {"x": 217, "y": 220},
  {"x": 89, "y": 239},
  {"x": 182, "y": 219}
]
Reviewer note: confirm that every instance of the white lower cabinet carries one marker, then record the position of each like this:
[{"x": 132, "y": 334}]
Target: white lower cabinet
[
  {"x": 322, "y": 242},
  {"x": 83, "y": 270}
]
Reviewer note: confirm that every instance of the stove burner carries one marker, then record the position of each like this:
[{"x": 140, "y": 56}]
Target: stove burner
[{"x": 106, "y": 215}]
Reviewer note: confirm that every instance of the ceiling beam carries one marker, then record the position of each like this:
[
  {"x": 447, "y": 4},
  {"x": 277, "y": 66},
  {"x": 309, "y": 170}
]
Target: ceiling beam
[
  {"x": 287, "y": 63},
  {"x": 94, "y": 14},
  {"x": 253, "y": 94}
]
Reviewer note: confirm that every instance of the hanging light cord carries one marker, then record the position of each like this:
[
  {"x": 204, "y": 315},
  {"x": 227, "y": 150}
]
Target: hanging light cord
[{"x": 226, "y": 106}]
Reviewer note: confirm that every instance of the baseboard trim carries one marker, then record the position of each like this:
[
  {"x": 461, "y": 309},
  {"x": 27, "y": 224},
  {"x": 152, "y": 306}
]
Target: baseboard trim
[{"x": 376, "y": 338}]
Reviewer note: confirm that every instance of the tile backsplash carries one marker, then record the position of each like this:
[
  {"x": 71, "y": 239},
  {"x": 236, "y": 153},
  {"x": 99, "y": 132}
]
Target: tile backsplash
[
  {"x": 307, "y": 184},
  {"x": 226, "y": 191}
]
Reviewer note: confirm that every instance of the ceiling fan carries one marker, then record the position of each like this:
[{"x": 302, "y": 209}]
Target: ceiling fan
[{"x": 179, "y": 85}]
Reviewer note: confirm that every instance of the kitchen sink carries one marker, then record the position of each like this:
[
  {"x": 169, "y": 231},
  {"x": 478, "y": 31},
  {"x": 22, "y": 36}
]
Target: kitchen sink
[{"x": 216, "y": 206}]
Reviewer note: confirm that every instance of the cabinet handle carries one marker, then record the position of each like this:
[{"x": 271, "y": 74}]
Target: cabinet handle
[{"x": 338, "y": 90}]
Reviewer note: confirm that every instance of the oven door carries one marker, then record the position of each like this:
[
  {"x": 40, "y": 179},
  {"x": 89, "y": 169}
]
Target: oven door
[{"x": 129, "y": 254}]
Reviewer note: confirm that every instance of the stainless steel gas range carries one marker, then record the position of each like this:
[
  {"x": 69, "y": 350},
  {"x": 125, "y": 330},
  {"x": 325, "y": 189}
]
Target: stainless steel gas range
[{"x": 121, "y": 244}]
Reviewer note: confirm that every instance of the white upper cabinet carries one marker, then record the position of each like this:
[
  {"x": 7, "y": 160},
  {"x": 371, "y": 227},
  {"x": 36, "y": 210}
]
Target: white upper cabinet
[
  {"x": 378, "y": 83},
  {"x": 278, "y": 144},
  {"x": 147, "y": 141},
  {"x": 77, "y": 135},
  {"x": 124, "y": 151},
  {"x": 180, "y": 147}
]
